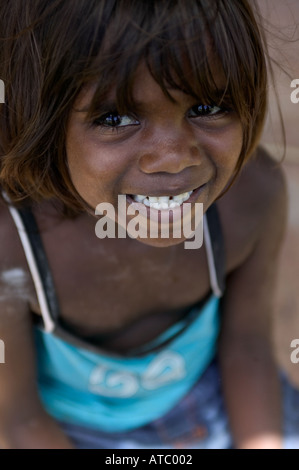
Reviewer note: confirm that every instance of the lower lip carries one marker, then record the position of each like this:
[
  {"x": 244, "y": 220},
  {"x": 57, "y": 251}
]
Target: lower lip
[{"x": 166, "y": 215}]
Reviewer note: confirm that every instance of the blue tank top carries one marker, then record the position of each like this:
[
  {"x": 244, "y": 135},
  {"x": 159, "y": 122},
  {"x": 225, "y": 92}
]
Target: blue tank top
[{"x": 87, "y": 386}]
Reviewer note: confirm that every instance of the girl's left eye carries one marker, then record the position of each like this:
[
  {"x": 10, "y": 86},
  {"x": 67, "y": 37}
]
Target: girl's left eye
[
  {"x": 115, "y": 120},
  {"x": 205, "y": 110}
]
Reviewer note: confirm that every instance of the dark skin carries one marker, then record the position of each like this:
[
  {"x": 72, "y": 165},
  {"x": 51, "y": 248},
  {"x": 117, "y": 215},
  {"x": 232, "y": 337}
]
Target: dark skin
[{"x": 253, "y": 220}]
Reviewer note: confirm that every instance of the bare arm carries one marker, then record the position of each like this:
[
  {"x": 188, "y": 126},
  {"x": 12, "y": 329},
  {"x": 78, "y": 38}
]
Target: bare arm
[
  {"x": 249, "y": 371},
  {"x": 24, "y": 423}
]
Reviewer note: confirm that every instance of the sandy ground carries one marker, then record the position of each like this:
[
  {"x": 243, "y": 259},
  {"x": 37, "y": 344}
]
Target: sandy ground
[{"x": 283, "y": 38}]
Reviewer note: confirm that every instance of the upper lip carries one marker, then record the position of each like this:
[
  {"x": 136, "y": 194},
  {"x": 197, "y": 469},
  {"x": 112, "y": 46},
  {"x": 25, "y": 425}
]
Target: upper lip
[{"x": 165, "y": 192}]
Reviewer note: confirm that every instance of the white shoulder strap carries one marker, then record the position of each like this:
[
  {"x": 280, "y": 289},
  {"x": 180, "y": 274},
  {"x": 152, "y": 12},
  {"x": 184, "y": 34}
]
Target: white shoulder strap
[
  {"x": 49, "y": 325},
  {"x": 211, "y": 260}
]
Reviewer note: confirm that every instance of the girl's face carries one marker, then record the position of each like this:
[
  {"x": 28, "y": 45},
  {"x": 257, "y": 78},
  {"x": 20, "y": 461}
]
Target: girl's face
[{"x": 164, "y": 148}]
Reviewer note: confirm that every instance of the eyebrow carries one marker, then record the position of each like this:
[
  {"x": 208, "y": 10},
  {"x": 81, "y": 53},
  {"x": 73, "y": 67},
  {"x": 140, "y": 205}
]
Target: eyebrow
[
  {"x": 104, "y": 106},
  {"x": 109, "y": 105}
]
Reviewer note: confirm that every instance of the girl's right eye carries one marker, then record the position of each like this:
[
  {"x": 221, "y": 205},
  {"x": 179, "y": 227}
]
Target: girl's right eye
[
  {"x": 113, "y": 121},
  {"x": 206, "y": 111}
]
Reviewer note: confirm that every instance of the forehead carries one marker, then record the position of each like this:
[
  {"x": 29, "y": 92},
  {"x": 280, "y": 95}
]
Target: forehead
[{"x": 146, "y": 87}]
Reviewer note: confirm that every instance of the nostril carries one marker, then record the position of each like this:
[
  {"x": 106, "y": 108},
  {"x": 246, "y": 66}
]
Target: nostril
[{"x": 166, "y": 161}]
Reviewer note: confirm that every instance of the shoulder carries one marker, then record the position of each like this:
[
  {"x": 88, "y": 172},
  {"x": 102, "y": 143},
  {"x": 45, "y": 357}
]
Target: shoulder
[
  {"x": 255, "y": 207},
  {"x": 261, "y": 186},
  {"x": 15, "y": 278},
  {"x": 9, "y": 240}
]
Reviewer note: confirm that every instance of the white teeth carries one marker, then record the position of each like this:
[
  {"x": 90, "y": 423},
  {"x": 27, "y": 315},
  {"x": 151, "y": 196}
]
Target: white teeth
[
  {"x": 152, "y": 200},
  {"x": 139, "y": 198},
  {"x": 163, "y": 202},
  {"x": 164, "y": 199},
  {"x": 183, "y": 197}
]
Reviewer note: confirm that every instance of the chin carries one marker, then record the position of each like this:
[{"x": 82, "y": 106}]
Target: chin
[{"x": 161, "y": 242}]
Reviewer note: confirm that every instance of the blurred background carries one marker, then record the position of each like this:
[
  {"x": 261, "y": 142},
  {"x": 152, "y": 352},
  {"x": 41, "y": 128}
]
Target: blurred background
[{"x": 282, "y": 24}]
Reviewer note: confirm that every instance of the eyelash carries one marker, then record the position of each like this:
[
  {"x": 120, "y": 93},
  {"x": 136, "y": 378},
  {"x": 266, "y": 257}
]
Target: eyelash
[
  {"x": 206, "y": 108},
  {"x": 114, "y": 116}
]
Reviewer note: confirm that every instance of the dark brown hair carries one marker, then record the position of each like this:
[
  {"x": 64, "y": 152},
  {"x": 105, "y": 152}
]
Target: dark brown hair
[{"x": 51, "y": 49}]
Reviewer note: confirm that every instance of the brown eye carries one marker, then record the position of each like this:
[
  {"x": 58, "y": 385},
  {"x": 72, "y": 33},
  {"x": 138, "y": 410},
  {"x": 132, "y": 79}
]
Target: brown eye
[
  {"x": 205, "y": 110},
  {"x": 115, "y": 120}
]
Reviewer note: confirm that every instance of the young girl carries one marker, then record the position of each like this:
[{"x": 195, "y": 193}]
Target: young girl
[{"x": 134, "y": 342}]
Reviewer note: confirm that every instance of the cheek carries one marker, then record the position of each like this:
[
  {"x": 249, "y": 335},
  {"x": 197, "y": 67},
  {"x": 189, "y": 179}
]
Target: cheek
[
  {"x": 225, "y": 149},
  {"x": 83, "y": 156},
  {"x": 93, "y": 169}
]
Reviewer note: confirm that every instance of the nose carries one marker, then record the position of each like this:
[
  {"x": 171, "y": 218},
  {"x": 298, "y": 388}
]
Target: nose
[{"x": 169, "y": 150}]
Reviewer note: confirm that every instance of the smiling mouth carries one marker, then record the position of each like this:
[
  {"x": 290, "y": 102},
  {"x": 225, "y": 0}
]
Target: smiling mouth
[
  {"x": 162, "y": 202},
  {"x": 166, "y": 202}
]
